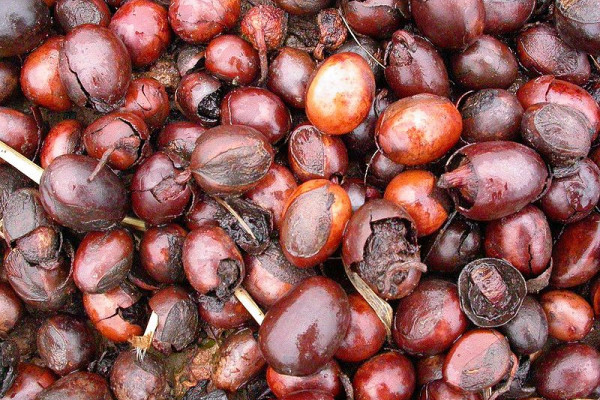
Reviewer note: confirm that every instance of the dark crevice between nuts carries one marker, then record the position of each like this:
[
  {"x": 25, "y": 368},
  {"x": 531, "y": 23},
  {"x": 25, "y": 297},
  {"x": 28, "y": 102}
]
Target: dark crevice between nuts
[
  {"x": 209, "y": 108},
  {"x": 230, "y": 275}
]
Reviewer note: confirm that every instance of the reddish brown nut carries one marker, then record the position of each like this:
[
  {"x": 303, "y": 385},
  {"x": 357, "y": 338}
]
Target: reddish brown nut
[
  {"x": 414, "y": 66},
  {"x": 366, "y": 334},
  {"x": 83, "y": 65},
  {"x": 491, "y": 114},
  {"x": 429, "y": 369},
  {"x": 378, "y": 19},
  {"x": 570, "y": 317},
  {"x": 523, "y": 239},
  {"x": 24, "y": 25},
  {"x": 452, "y": 24},
  {"x": 136, "y": 379},
  {"x": 567, "y": 372},
  {"x": 380, "y": 244},
  {"x": 113, "y": 313},
  {"x": 120, "y": 139},
  {"x": 78, "y": 386},
  {"x": 301, "y": 346},
  {"x": 490, "y": 180},
  {"x": 503, "y": 16},
  {"x": 159, "y": 191},
  {"x": 63, "y": 138},
  {"x": 359, "y": 192},
  {"x": 289, "y": 75},
  {"x": 40, "y": 80},
  {"x": 315, "y": 155},
  {"x": 212, "y": 262},
  {"x": 273, "y": 191},
  {"x": 453, "y": 246},
  {"x": 430, "y": 319},
  {"x": 561, "y": 134},
  {"x": 178, "y": 140},
  {"x": 270, "y": 276},
  {"x": 478, "y": 360},
  {"x": 543, "y": 52},
  {"x": 440, "y": 390},
  {"x": 239, "y": 360},
  {"x": 160, "y": 253},
  {"x": 29, "y": 382},
  {"x": 198, "y": 96},
  {"x": 19, "y": 131},
  {"x": 11, "y": 307},
  {"x": 232, "y": 59},
  {"x": 578, "y": 23},
  {"x": 143, "y": 27},
  {"x": 198, "y": 21},
  {"x": 9, "y": 79},
  {"x": 73, "y": 13},
  {"x": 417, "y": 193},
  {"x": 314, "y": 219},
  {"x": 148, "y": 99},
  {"x": 340, "y": 94},
  {"x": 76, "y": 202},
  {"x": 103, "y": 260},
  {"x": 226, "y": 314},
  {"x": 548, "y": 89},
  {"x": 386, "y": 376},
  {"x": 486, "y": 63},
  {"x": 257, "y": 108},
  {"x": 405, "y": 138},
  {"x": 326, "y": 380},
  {"x": 65, "y": 344},
  {"x": 381, "y": 170},
  {"x": 177, "y": 319},
  {"x": 229, "y": 148},
  {"x": 302, "y": 7},
  {"x": 575, "y": 254},
  {"x": 573, "y": 197}
]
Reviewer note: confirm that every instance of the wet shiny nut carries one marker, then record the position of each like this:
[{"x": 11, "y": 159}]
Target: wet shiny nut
[
  {"x": 405, "y": 137},
  {"x": 40, "y": 80},
  {"x": 366, "y": 334},
  {"x": 315, "y": 155},
  {"x": 65, "y": 344},
  {"x": 524, "y": 239},
  {"x": 23, "y": 26},
  {"x": 239, "y": 361},
  {"x": 340, "y": 94},
  {"x": 63, "y": 138},
  {"x": 78, "y": 386},
  {"x": 313, "y": 222},
  {"x": 570, "y": 316},
  {"x": 232, "y": 59},
  {"x": 490, "y": 180},
  {"x": 135, "y": 379},
  {"x": 103, "y": 260},
  {"x": 430, "y": 319},
  {"x": 289, "y": 75},
  {"x": 570, "y": 371},
  {"x": 491, "y": 114},
  {"x": 326, "y": 380},
  {"x": 417, "y": 193},
  {"x": 198, "y": 21},
  {"x": 73, "y": 13},
  {"x": 452, "y": 24},
  {"x": 527, "y": 332},
  {"x": 414, "y": 66},
  {"x": 387, "y": 376},
  {"x": 478, "y": 360},
  {"x": 82, "y": 66},
  {"x": 574, "y": 254},
  {"x": 502, "y": 16},
  {"x": 301, "y": 345},
  {"x": 229, "y": 148}
]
